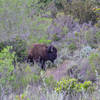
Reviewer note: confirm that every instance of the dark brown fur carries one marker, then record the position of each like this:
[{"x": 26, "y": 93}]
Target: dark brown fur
[{"x": 41, "y": 53}]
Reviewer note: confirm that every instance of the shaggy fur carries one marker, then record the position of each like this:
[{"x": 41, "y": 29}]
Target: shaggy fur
[{"x": 42, "y": 53}]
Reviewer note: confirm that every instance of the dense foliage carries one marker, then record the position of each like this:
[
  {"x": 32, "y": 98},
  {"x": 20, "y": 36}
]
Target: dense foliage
[
  {"x": 72, "y": 86},
  {"x": 18, "y": 46},
  {"x": 7, "y": 75}
]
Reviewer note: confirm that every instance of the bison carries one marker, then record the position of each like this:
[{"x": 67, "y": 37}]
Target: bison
[{"x": 42, "y": 53}]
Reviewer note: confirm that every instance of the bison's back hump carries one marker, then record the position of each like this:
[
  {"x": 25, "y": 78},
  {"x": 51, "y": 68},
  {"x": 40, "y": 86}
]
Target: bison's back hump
[{"x": 38, "y": 50}]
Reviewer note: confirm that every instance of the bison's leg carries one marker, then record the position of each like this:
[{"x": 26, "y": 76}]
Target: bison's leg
[
  {"x": 30, "y": 59},
  {"x": 42, "y": 64}
]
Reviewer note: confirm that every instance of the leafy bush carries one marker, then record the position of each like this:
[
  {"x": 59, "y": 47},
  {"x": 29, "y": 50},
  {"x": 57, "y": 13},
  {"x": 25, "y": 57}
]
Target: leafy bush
[
  {"x": 11, "y": 78},
  {"x": 72, "y": 86},
  {"x": 7, "y": 75},
  {"x": 18, "y": 46}
]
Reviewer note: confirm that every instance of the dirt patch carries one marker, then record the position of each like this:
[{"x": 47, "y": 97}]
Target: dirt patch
[{"x": 59, "y": 72}]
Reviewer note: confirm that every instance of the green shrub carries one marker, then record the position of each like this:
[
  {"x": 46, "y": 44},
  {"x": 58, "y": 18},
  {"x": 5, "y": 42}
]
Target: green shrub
[
  {"x": 72, "y": 86},
  {"x": 18, "y": 46},
  {"x": 7, "y": 75}
]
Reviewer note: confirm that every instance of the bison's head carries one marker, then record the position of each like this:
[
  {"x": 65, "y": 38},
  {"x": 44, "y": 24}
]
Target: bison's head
[{"x": 51, "y": 53}]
